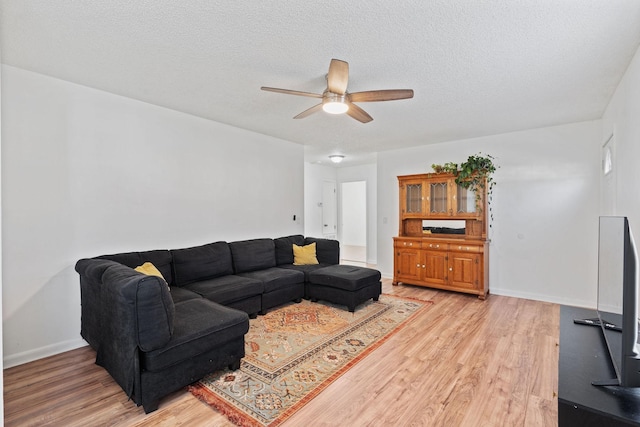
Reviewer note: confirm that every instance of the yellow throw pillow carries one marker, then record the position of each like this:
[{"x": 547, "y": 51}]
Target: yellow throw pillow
[
  {"x": 150, "y": 270},
  {"x": 305, "y": 255}
]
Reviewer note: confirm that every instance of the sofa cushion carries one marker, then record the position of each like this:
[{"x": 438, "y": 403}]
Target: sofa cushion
[
  {"x": 275, "y": 278},
  {"x": 227, "y": 289},
  {"x": 306, "y": 269},
  {"x": 200, "y": 325},
  {"x": 251, "y": 255},
  {"x": 284, "y": 248},
  {"x": 327, "y": 250},
  {"x": 201, "y": 263},
  {"x": 160, "y": 258},
  {"x": 305, "y": 255},
  {"x": 179, "y": 294}
]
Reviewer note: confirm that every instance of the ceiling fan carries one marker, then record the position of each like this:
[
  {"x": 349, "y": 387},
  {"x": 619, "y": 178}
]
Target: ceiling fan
[{"x": 336, "y": 99}]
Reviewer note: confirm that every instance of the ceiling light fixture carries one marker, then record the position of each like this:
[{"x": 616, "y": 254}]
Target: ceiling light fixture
[
  {"x": 336, "y": 158},
  {"x": 333, "y": 103}
]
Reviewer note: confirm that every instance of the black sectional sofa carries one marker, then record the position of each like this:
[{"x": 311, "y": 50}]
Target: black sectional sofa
[{"x": 155, "y": 335}]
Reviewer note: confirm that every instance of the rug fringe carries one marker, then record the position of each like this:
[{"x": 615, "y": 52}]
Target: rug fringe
[{"x": 232, "y": 413}]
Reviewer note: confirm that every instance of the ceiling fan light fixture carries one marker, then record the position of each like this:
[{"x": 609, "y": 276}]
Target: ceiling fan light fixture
[
  {"x": 336, "y": 158},
  {"x": 334, "y": 103},
  {"x": 335, "y": 107}
]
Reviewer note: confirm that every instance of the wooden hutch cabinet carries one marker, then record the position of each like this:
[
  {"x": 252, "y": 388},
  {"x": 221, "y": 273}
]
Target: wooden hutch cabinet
[{"x": 425, "y": 256}]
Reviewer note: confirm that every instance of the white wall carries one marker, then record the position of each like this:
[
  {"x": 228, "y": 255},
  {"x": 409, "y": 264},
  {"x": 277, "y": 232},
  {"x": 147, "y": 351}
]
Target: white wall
[
  {"x": 622, "y": 118},
  {"x": 367, "y": 173},
  {"x": 544, "y": 234},
  {"x": 86, "y": 172}
]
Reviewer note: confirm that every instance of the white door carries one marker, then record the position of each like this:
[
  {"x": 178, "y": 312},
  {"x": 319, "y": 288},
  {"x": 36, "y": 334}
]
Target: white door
[{"x": 329, "y": 209}]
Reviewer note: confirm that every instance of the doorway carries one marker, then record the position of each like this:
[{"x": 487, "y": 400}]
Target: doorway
[{"x": 353, "y": 221}]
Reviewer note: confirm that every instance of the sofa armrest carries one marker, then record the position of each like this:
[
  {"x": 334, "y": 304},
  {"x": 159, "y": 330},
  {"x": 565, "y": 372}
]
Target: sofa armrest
[{"x": 138, "y": 305}]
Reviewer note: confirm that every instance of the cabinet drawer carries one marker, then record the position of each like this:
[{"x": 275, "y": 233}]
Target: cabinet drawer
[
  {"x": 407, "y": 244},
  {"x": 466, "y": 248},
  {"x": 436, "y": 246}
]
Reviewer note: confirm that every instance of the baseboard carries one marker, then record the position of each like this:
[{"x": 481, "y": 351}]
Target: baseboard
[
  {"x": 532, "y": 296},
  {"x": 42, "y": 352},
  {"x": 542, "y": 297}
]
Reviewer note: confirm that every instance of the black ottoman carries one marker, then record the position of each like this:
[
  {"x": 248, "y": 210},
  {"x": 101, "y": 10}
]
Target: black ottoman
[{"x": 344, "y": 284}]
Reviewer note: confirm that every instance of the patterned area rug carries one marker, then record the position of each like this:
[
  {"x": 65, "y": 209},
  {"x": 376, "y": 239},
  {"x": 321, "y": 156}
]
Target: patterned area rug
[{"x": 296, "y": 351}]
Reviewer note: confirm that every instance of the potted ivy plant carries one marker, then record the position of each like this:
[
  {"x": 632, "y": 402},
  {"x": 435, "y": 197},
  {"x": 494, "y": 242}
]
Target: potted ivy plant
[{"x": 475, "y": 174}]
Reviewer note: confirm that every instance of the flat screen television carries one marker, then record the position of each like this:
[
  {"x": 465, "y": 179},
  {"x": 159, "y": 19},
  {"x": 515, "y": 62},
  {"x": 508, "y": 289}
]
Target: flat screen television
[{"x": 618, "y": 299}]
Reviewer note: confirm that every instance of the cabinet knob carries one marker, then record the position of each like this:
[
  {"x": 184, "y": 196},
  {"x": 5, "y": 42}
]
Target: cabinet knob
[
  {"x": 450, "y": 268},
  {"x": 423, "y": 266}
]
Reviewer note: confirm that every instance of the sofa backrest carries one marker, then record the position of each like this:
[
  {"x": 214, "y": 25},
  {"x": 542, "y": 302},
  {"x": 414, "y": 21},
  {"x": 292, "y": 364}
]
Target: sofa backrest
[
  {"x": 284, "y": 248},
  {"x": 160, "y": 258},
  {"x": 251, "y": 255},
  {"x": 201, "y": 263},
  {"x": 327, "y": 250}
]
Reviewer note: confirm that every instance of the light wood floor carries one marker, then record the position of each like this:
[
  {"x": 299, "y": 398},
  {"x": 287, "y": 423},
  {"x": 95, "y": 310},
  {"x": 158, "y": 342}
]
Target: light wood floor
[{"x": 463, "y": 362}]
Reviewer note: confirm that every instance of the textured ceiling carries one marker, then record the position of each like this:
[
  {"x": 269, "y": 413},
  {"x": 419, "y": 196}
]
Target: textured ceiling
[{"x": 477, "y": 67}]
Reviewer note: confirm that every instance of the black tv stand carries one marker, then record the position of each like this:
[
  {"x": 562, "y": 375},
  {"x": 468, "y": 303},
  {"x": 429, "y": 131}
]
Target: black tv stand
[{"x": 583, "y": 359}]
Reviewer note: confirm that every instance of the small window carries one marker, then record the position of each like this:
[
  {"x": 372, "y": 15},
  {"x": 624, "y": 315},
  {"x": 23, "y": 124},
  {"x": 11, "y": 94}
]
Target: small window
[{"x": 607, "y": 162}]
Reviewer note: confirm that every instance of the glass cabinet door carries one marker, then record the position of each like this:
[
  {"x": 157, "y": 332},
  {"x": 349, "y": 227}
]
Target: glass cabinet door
[
  {"x": 413, "y": 198},
  {"x": 465, "y": 201},
  {"x": 438, "y": 201}
]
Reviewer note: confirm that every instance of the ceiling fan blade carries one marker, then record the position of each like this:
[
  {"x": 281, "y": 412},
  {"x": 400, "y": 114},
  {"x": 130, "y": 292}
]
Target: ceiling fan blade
[
  {"x": 338, "y": 76},
  {"x": 381, "y": 95},
  {"x": 358, "y": 113},
  {"x": 291, "y": 92},
  {"x": 309, "y": 111}
]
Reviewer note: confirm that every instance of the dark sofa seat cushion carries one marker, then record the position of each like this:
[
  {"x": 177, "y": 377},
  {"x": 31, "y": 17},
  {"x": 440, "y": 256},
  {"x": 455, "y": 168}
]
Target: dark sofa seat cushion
[
  {"x": 275, "y": 278},
  {"x": 161, "y": 259},
  {"x": 199, "y": 326},
  {"x": 284, "y": 248},
  {"x": 306, "y": 269},
  {"x": 345, "y": 277},
  {"x": 252, "y": 255},
  {"x": 201, "y": 263},
  {"x": 179, "y": 294},
  {"x": 227, "y": 289}
]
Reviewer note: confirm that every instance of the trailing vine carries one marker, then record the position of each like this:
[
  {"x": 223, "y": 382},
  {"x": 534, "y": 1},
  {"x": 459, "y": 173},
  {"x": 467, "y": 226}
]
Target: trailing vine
[{"x": 475, "y": 174}]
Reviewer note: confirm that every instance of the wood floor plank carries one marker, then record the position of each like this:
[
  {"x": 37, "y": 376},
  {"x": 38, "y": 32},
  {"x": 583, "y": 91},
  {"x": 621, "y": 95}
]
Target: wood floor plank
[{"x": 462, "y": 362}]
